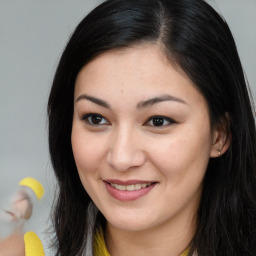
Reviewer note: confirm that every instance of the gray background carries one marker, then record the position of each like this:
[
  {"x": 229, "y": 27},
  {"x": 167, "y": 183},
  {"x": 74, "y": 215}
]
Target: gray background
[{"x": 32, "y": 37}]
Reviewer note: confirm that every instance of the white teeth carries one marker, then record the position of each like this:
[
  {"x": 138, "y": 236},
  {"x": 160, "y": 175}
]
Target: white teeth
[
  {"x": 137, "y": 186},
  {"x": 119, "y": 187},
  {"x": 130, "y": 187}
]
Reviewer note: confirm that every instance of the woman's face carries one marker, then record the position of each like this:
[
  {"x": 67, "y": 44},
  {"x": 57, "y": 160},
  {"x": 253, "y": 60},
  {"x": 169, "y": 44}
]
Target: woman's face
[{"x": 141, "y": 138}]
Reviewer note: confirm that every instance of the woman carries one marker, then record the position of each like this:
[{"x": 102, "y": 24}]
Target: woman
[{"x": 152, "y": 134}]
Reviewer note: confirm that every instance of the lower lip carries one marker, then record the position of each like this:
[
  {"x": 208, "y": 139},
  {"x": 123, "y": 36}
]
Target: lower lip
[{"x": 124, "y": 195}]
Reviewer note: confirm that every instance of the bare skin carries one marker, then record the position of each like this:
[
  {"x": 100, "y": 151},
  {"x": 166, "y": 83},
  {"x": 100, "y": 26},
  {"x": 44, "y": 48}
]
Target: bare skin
[
  {"x": 140, "y": 120},
  {"x": 13, "y": 245},
  {"x": 21, "y": 209}
]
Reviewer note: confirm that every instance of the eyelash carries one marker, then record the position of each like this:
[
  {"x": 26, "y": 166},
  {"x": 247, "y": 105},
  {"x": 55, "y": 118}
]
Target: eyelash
[
  {"x": 90, "y": 115},
  {"x": 87, "y": 119},
  {"x": 163, "y": 118}
]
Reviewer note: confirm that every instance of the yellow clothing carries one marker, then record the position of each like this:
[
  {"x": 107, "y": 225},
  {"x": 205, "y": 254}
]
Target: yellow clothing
[{"x": 100, "y": 248}]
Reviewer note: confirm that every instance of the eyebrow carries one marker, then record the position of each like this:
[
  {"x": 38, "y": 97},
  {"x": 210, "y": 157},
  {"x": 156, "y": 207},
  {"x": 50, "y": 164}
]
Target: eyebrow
[
  {"x": 140, "y": 105},
  {"x": 159, "y": 99},
  {"x": 94, "y": 100}
]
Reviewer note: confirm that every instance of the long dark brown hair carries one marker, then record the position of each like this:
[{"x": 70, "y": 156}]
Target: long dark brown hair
[{"x": 198, "y": 40}]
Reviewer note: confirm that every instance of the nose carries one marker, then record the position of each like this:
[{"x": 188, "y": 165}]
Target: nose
[{"x": 125, "y": 151}]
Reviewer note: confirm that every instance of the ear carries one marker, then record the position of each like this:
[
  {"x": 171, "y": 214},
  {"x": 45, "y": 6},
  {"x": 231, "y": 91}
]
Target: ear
[{"x": 221, "y": 137}]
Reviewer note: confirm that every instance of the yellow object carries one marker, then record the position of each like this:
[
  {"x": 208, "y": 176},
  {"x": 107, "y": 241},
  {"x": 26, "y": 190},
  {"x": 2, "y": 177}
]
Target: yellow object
[
  {"x": 99, "y": 245},
  {"x": 185, "y": 253},
  {"x": 35, "y": 185},
  {"x": 33, "y": 245},
  {"x": 100, "y": 249}
]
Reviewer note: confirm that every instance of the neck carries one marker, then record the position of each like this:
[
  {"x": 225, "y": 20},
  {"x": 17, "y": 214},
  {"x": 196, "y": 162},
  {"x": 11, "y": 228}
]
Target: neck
[{"x": 169, "y": 238}]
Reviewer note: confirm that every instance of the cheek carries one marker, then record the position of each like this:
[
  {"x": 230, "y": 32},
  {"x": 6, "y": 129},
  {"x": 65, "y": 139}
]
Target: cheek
[
  {"x": 183, "y": 155},
  {"x": 86, "y": 150},
  {"x": 87, "y": 155}
]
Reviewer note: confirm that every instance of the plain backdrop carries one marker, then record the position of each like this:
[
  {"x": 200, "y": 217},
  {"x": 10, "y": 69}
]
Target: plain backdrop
[{"x": 33, "y": 34}]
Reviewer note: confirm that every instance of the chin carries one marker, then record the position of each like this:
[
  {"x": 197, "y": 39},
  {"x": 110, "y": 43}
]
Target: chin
[
  {"x": 131, "y": 226},
  {"x": 131, "y": 223}
]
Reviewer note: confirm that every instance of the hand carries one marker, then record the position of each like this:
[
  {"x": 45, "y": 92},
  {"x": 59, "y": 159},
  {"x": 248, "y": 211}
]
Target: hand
[
  {"x": 21, "y": 206},
  {"x": 13, "y": 245}
]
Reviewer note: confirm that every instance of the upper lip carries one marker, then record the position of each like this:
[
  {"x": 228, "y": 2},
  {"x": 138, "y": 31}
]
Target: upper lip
[{"x": 128, "y": 182}]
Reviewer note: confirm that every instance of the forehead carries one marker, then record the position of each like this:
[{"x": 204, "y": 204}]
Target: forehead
[
  {"x": 136, "y": 59},
  {"x": 139, "y": 71}
]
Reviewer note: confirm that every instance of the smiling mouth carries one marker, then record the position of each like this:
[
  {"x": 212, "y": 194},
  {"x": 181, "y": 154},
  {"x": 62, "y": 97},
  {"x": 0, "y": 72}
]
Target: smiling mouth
[
  {"x": 132, "y": 187},
  {"x": 129, "y": 190}
]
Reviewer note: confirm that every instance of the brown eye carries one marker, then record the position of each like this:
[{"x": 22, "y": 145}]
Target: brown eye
[
  {"x": 94, "y": 119},
  {"x": 158, "y": 121}
]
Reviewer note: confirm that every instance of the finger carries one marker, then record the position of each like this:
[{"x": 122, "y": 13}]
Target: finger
[{"x": 12, "y": 246}]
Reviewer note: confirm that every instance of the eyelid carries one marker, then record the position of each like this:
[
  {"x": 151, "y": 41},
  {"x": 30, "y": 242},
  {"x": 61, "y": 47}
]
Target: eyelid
[
  {"x": 170, "y": 120},
  {"x": 86, "y": 116}
]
